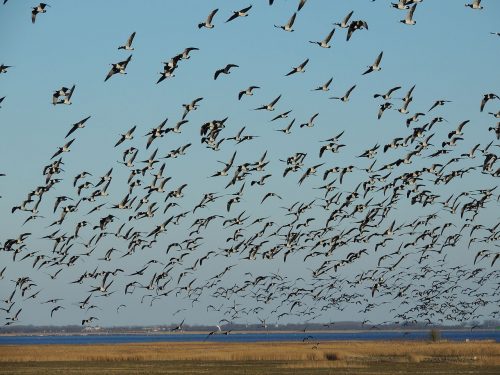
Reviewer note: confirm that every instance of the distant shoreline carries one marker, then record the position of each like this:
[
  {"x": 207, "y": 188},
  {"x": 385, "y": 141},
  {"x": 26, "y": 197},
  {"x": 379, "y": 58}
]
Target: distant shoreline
[{"x": 105, "y": 332}]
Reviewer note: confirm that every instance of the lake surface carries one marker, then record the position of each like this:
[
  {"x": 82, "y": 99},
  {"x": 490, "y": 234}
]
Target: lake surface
[{"x": 247, "y": 337}]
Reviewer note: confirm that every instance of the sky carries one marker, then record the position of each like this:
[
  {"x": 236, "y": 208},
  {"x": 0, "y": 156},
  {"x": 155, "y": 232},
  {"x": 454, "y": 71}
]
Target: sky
[{"x": 449, "y": 54}]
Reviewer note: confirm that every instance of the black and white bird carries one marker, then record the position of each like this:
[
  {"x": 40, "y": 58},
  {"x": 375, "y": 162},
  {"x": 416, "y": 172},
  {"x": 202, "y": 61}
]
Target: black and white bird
[
  {"x": 127, "y": 136},
  {"x": 346, "y": 96},
  {"x": 344, "y": 24},
  {"x": 476, "y": 4},
  {"x": 118, "y": 67},
  {"x": 270, "y": 106},
  {"x": 356, "y": 25},
  {"x": 239, "y": 13},
  {"x": 325, "y": 86},
  {"x": 298, "y": 69},
  {"x": 289, "y": 25},
  {"x": 376, "y": 65},
  {"x": 225, "y": 70},
  {"x": 387, "y": 95},
  {"x": 248, "y": 91},
  {"x": 79, "y": 125},
  {"x": 40, "y": 8},
  {"x": 486, "y": 98},
  {"x": 3, "y": 68},
  {"x": 208, "y": 22},
  {"x": 128, "y": 46},
  {"x": 409, "y": 16},
  {"x": 324, "y": 43}
]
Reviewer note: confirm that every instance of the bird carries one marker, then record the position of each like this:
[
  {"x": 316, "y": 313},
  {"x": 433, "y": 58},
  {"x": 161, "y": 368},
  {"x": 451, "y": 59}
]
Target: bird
[
  {"x": 62, "y": 149},
  {"x": 409, "y": 16},
  {"x": 239, "y": 13},
  {"x": 79, "y": 125},
  {"x": 486, "y": 98},
  {"x": 382, "y": 108},
  {"x": 324, "y": 43},
  {"x": 40, "y": 8},
  {"x": 1, "y": 100},
  {"x": 298, "y": 69},
  {"x": 376, "y": 64},
  {"x": 127, "y": 136},
  {"x": 310, "y": 123},
  {"x": 346, "y": 96},
  {"x": 287, "y": 130},
  {"x": 387, "y": 95},
  {"x": 270, "y": 106},
  {"x": 476, "y": 4},
  {"x": 440, "y": 102},
  {"x": 65, "y": 92},
  {"x": 208, "y": 22},
  {"x": 3, "y": 68},
  {"x": 289, "y": 25},
  {"x": 344, "y": 24},
  {"x": 225, "y": 70},
  {"x": 119, "y": 67},
  {"x": 128, "y": 46},
  {"x": 191, "y": 106},
  {"x": 248, "y": 91},
  {"x": 356, "y": 25},
  {"x": 325, "y": 86}
]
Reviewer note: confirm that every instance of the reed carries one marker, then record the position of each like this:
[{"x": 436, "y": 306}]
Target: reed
[{"x": 478, "y": 353}]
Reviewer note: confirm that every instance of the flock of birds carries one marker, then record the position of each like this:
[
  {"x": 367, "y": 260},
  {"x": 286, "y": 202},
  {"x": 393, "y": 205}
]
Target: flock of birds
[{"x": 355, "y": 251}]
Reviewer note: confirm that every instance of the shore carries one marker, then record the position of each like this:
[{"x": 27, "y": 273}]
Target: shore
[{"x": 311, "y": 357}]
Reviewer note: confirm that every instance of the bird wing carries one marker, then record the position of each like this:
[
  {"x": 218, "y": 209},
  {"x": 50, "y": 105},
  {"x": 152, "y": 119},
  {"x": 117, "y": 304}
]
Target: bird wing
[
  {"x": 329, "y": 36},
  {"x": 110, "y": 73},
  {"x": 130, "y": 39}
]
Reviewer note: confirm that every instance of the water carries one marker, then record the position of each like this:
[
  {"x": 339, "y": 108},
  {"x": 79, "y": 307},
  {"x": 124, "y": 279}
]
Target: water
[{"x": 248, "y": 337}]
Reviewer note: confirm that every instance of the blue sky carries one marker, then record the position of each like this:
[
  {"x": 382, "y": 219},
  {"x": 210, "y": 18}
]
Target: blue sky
[{"x": 449, "y": 54}]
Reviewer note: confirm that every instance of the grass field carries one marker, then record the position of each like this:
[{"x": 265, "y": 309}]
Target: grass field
[{"x": 395, "y": 357}]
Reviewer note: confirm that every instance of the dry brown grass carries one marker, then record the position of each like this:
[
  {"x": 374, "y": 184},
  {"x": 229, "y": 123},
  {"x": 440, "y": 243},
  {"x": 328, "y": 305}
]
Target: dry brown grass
[{"x": 327, "y": 354}]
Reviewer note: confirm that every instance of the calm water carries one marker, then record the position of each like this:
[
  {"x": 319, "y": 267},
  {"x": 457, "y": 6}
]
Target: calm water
[{"x": 247, "y": 337}]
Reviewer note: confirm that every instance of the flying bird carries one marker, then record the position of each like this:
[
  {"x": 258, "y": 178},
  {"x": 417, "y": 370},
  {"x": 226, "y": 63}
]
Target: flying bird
[
  {"x": 248, "y": 91},
  {"x": 208, "y": 22},
  {"x": 376, "y": 64},
  {"x": 239, "y": 13},
  {"x": 128, "y": 46},
  {"x": 79, "y": 125},
  {"x": 346, "y": 96},
  {"x": 476, "y": 4},
  {"x": 119, "y": 67},
  {"x": 289, "y": 25},
  {"x": 298, "y": 69},
  {"x": 40, "y": 8},
  {"x": 127, "y": 136},
  {"x": 225, "y": 70},
  {"x": 409, "y": 16},
  {"x": 324, "y": 43}
]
